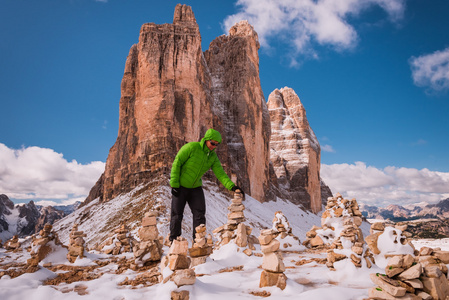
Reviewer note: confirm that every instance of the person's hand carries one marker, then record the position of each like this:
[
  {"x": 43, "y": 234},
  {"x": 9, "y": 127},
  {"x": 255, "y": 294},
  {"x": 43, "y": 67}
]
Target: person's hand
[
  {"x": 236, "y": 187},
  {"x": 175, "y": 192}
]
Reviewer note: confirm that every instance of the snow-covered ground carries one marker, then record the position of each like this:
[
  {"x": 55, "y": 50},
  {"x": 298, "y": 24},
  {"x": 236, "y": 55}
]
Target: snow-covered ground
[
  {"x": 310, "y": 280},
  {"x": 227, "y": 274}
]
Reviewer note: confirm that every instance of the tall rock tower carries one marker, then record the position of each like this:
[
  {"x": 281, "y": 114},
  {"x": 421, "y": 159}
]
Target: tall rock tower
[
  {"x": 172, "y": 92},
  {"x": 295, "y": 151}
]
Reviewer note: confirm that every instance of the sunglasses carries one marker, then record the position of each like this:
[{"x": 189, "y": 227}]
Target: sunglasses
[{"x": 214, "y": 144}]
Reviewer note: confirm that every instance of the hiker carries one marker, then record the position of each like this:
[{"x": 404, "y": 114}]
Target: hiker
[{"x": 192, "y": 161}]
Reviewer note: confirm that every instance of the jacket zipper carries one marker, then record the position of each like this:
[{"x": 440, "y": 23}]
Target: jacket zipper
[{"x": 199, "y": 171}]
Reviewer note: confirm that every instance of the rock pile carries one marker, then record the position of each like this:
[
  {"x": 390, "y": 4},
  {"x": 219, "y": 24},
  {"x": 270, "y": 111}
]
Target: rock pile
[
  {"x": 273, "y": 264},
  {"x": 76, "y": 244},
  {"x": 13, "y": 243},
  {"x": 408, "y": 277},
  {"x": 397, "y": 235},
  {"x": 341, "y": 218},
  {"x": 150, "y": 247},
  {"x": 178, "y": 262},
  {"x": 43, "y": 244},
  {"x": 120, "y": 241},
  {"x": 202, "y": 246},
  {"x": 235, "y": 229},
  {"x": 340, "y": 232},
  {"x": 281, "y": 226}
]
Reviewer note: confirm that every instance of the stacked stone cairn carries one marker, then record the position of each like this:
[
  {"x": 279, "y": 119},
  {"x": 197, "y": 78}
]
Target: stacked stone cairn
[
  {"x": 235, "y": 229},
  {"x": 76, "y": 244},
  {"x": 273, "y": 264},
  {"x": 398, "y": 232},
  {"x": 339, "y": 232},
  {"x": 43, "y": 244},
  {"x": 178, "y": 262},
  {"x": 150, "y": 247},
  {"x": 202, "y": 246},
  {"x": 282, "y": 227},
  {"x": 120, "y": 241},
  {"x": 341, "y": 218},
  {"x": 409, "y": 277},
  {"x": 12, "y": 244}
]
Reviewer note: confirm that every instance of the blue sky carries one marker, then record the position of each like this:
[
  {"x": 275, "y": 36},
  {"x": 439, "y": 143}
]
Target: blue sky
[{"x": 373, "y": 76}]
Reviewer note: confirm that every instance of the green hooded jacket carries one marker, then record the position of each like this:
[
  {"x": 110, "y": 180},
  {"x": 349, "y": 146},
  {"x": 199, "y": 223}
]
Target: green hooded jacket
[{"x": 194, "y": 159}]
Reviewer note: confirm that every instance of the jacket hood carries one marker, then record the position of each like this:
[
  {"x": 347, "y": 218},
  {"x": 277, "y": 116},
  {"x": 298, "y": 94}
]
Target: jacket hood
[{"x": 212, "y": 134}]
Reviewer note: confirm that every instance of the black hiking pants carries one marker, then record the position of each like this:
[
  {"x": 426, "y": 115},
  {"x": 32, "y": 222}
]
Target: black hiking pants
[{"x": 197, "y": 203}]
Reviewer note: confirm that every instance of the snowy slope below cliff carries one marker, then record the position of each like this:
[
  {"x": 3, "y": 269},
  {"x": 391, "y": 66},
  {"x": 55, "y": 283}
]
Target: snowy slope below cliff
[{"x": 97, "y": 220}]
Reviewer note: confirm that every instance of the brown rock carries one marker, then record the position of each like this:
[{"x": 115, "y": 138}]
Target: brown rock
[
  {"x": 178, "y": 262},
  {"x": 184, "y": 277},
  {"x": 316, "y": 241},
  {"x": 270, "y": 247},
  {"x": 241, "y": 239},
  {"x": 268, "y": 278},
  {"x": 378, "y": 293},
  {"x": 442, "y": 255},
  {"x": 148, "y": 233},
  {"x": 181, "y": 295},
  {"x": 438, "y": 288},
  {"x": 396, "y": 291},
  {"x": 425, "y": 251},
  {"x": 411, "y": 273},
  {"x": 179, "y": 246},
  {"x": 197, "y": 251},
  {"x": 371, "y": 241},
  {"x": 273, "y": 262}
]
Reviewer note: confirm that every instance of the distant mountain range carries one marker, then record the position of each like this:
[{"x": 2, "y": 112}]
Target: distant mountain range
[
  {"x": 398, "y": 213},
  {"x": 27, "y": 219}
]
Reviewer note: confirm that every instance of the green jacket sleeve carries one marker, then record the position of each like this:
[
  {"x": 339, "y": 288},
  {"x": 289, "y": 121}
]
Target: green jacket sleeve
[
  {"x": 180, "y": 159},
  {"x": 221, "y": 174}
]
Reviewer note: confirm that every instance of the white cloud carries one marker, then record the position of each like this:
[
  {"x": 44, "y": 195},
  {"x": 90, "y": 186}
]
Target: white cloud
[
  {"x": 391, "y": 185},
  {"x": 40, "y": 173},
  {"x": 328, "y": 148},
  {"x": 304, "y": 22},
  {"x": 431, "y": 71}
]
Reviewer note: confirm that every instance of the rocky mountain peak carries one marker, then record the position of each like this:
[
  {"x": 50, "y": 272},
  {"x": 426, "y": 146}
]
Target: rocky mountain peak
[
  {"x": 294, "y": 149},
  {"x": 183, "y": 15},
  {"x": 172, "y": 93},
  {"x": 243, "y": 28},
  {"x": 6, "y": 205}
]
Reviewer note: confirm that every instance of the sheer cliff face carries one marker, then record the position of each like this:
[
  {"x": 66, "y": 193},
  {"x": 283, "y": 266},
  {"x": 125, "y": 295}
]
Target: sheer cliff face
[
  {"x": 172, "y": 93},
  {"x": 238, "y": 99},
  {"x": 295, "y": 151}
]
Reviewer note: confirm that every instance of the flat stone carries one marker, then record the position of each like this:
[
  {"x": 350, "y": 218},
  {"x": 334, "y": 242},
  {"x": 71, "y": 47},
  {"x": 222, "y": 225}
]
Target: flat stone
[
  {"x": 411, "y": 273},
  {"x": 149, "y": 221},
  {"x": 414, "y": 283},
  {"x": 377, "y": 293},
  {"x": 387, "y": 287}
]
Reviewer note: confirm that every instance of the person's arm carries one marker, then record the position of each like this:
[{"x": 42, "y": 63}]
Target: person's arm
[
  {"x": 180, "y": 159},
  {"x": 221, "y": 174}
]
